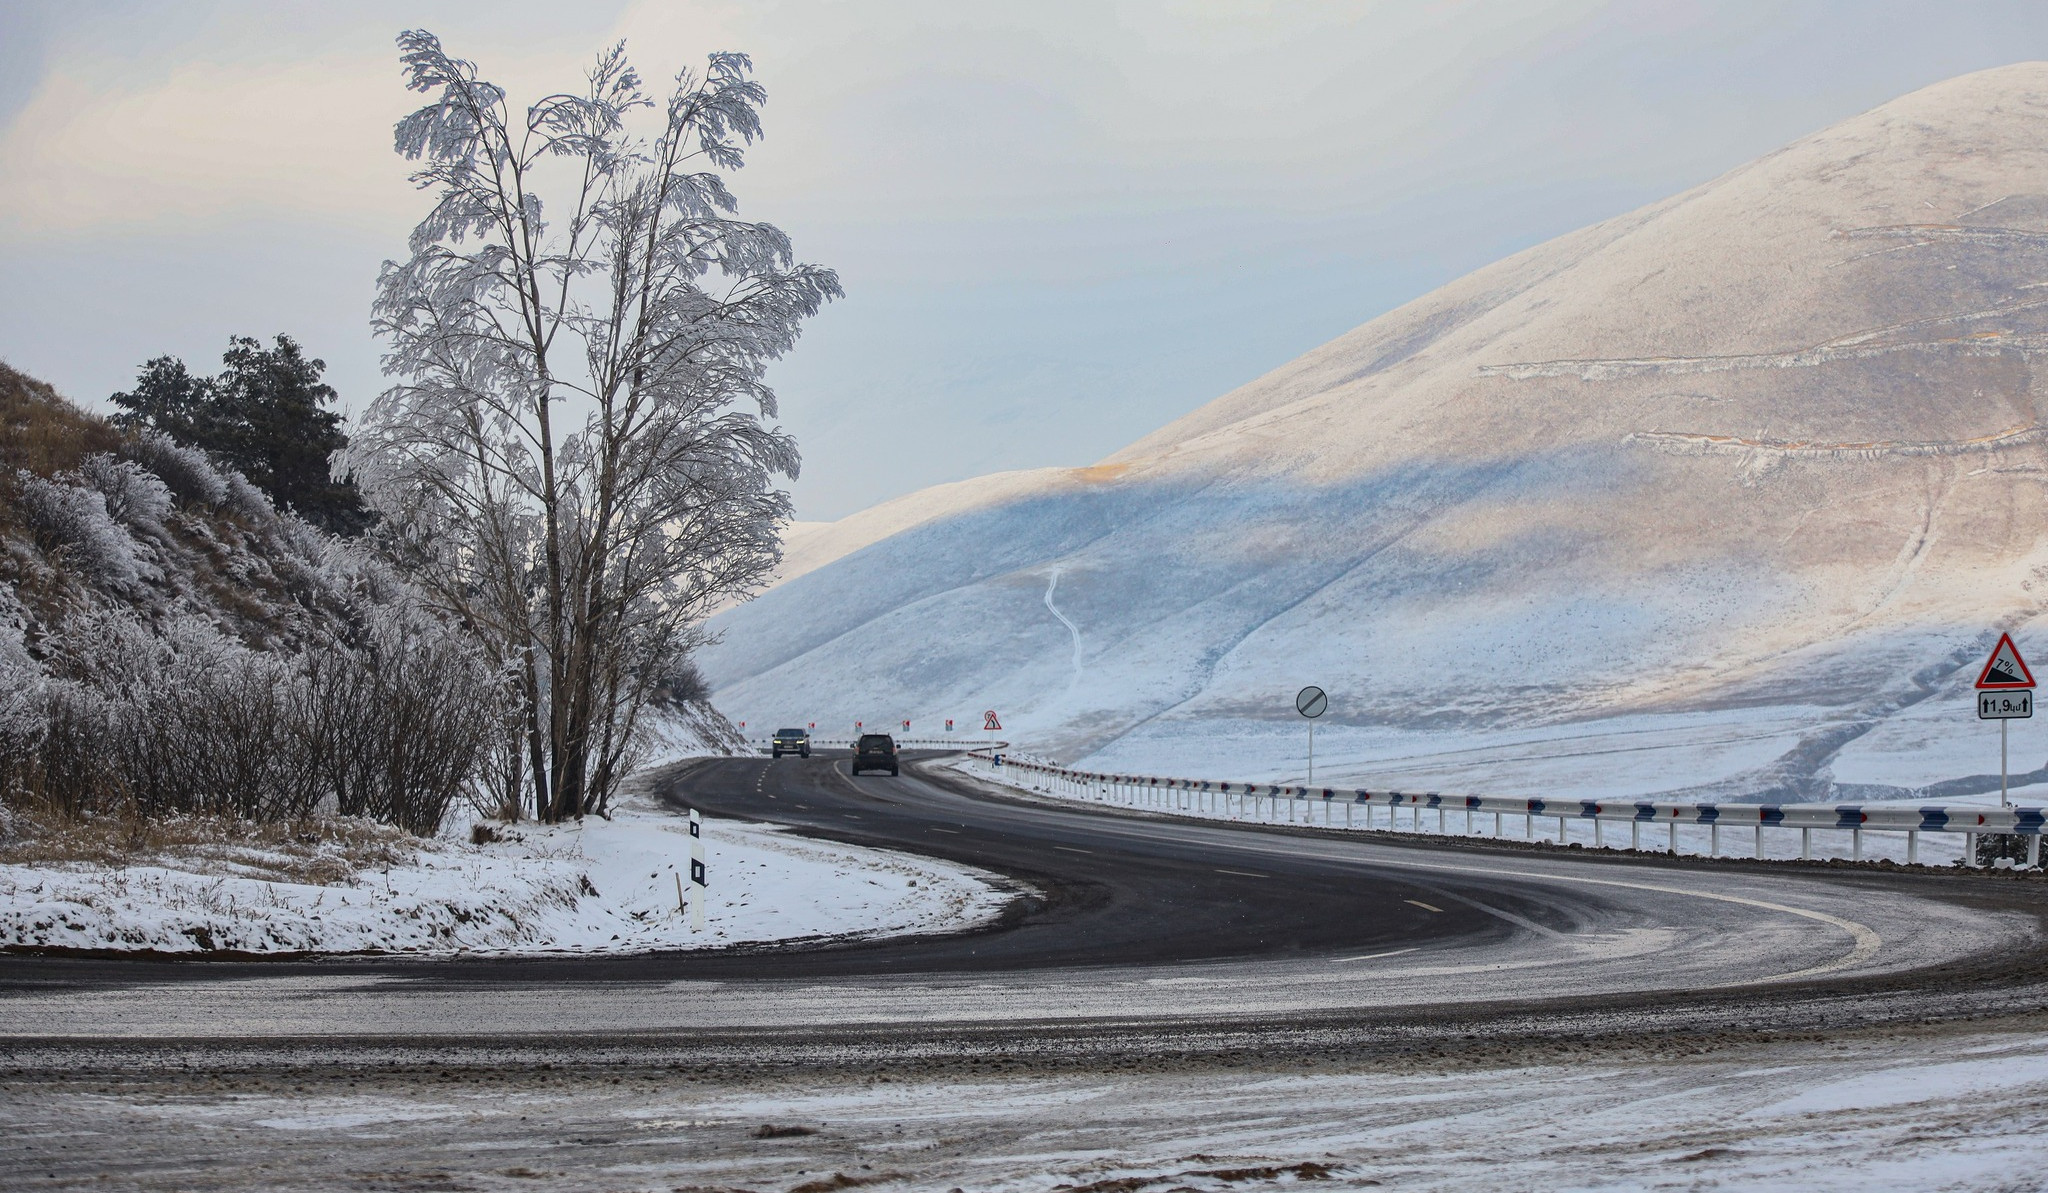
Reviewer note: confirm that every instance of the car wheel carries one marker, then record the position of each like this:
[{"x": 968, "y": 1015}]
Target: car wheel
[{"x": 894, "y": 771}]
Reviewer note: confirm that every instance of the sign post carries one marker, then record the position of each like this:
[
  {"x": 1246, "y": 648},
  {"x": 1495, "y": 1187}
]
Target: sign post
[
  {"x": 2005, "y": 692},
  {"x": 696, "y": 871},
  {"x": 990, "y": 724},
  {"x": 1310, "y": 702}
]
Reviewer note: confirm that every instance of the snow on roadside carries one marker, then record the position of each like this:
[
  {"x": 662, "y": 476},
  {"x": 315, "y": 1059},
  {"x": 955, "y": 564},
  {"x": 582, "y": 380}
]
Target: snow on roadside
[
  {"x": 1779, "y": 844},
  {"x": 595, "y": 887}
]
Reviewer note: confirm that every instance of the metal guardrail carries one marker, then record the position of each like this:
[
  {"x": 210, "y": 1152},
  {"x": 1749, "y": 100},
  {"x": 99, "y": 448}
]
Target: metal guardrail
[{"x": 1212, "y": 797}]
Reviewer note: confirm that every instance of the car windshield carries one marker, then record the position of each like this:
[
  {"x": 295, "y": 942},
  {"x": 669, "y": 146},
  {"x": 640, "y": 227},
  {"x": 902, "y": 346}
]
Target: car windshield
[
  {"x": 874, "y": 741},
  {"x": 789, "y": 733}
]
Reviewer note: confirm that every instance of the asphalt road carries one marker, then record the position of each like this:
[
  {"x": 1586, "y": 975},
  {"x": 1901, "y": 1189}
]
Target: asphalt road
[{"x": 1131, "y": 923}]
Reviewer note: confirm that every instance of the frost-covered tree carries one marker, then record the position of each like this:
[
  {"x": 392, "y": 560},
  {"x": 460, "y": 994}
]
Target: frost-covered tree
[{"x": 574, "y": 455}]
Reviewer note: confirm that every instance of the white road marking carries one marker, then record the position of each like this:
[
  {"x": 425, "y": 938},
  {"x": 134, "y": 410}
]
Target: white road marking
[
  {"x": 1375, "y": 956},
  {"x": 1071, "y": 849},
  {"x": 1244, "y": 873},
  {"x": 1422, "y": 905}
]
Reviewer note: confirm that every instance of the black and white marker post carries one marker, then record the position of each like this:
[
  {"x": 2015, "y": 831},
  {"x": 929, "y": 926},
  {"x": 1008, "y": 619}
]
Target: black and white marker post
[
  {"x": 696, "y": 871},
  {"x": 1310, "y": 702},
  {"x": 2005, "y": 692}
]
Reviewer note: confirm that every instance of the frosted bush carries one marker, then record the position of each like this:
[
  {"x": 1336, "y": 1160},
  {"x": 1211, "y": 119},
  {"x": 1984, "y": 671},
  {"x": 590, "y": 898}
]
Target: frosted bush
[
  {"x": 186, "y": 470},
  {"x": 246, "y": 499},
  {"x": 73, "y": 522},
  {"x": 134, "y": 495},
  {"x": 23, "y": 693}
]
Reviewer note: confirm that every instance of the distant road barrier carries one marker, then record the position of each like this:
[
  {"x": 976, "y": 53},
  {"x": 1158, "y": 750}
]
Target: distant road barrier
[
  {"x": 1263, "y": 802},
  {"x": 847, "y": 743}
]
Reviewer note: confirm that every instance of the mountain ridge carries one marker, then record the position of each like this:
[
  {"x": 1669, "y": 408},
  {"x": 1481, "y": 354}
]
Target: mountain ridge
[{"x": 1774, "y": 441}]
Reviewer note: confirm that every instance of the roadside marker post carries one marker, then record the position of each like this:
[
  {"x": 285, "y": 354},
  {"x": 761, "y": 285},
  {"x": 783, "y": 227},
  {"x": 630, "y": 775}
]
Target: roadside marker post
[
  {"x": 2005, "y": 692},
  {"x": 1310, "y": 702},
  {"x": 991, "y": 725},
  {"x": 697, "y": 883}
]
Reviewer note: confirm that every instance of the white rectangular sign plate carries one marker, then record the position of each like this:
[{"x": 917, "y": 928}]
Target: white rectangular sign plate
[{"x": 2006, "y": 705}]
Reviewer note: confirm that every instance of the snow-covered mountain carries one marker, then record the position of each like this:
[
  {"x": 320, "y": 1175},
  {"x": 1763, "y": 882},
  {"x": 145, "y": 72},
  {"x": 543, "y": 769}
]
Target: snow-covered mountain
[{"x": 1722, "y": 495}]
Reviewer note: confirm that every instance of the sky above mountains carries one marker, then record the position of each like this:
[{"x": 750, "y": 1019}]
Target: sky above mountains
[{"x": 1059, "y": 225}]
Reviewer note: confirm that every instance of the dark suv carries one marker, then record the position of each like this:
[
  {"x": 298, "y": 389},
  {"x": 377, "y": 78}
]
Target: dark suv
[
  {"x": 791, "y": 741},
  {"x": 876, "y": 751}
]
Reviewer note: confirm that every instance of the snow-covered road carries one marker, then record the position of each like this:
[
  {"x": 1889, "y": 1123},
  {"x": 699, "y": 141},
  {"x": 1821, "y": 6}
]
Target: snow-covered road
[{"x": 1913, "y": 1109}]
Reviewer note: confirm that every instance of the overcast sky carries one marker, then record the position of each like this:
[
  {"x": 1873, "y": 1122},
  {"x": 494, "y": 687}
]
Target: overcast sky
[{"x": 1059, "y": 225}]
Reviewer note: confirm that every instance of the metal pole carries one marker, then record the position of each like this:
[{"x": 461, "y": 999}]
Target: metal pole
[
  {"x": 1311, "y": 753},
  {"x": 1714, "y": 845},
  {"x": 1912, "y": 846},
  {"x": 2003, "y": 802}
]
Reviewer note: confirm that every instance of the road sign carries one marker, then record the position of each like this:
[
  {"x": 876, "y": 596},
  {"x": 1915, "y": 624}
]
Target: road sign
[
  {"x": 2011, "y": 704},
  {"x": 989, "y": 721},
  {"x": 906, "y": 726},
  {"x": 1311, "y": 702},
  {"x": 2005, "y": 668},
  {"x": 814, "y": 724},
  {"x": 2004, "y": 693},
  {"x": 949, "y": 724}
]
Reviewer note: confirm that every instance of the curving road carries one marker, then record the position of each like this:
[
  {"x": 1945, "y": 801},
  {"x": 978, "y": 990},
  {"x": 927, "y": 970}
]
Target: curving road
[{"x": 1141, "y": 920}]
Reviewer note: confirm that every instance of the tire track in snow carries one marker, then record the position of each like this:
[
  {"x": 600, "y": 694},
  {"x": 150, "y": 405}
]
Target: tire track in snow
[{"x": 1053, "y": 582}]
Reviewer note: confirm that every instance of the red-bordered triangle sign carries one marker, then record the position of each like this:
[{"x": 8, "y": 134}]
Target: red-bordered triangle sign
[
  {"x": 989, "y": 721},
  {"x": 2005, "y": 668}
]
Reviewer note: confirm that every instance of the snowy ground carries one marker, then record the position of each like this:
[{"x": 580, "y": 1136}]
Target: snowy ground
[
  {"x": 597, "y": 886},
  {"x": 1916, "y": 1109},
  {"x": 1780, "y": 844},
  {"x": 1614, "y": 757}
]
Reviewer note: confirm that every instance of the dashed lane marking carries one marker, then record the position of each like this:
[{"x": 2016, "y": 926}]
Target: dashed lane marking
[
  {"x": 1422, "y": 905},
  {"x": 1071, "y": 849},
  {"x": 935, "y": 828},
  {"x": 1244, "y": 873}
]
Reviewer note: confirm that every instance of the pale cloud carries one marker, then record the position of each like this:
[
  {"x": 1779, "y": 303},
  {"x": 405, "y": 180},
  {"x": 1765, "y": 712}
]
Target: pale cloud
[
  {"x": 919, "y": 107},
  {"x": 208, "y": 146},
  {"x": 1061, "y": 223}
]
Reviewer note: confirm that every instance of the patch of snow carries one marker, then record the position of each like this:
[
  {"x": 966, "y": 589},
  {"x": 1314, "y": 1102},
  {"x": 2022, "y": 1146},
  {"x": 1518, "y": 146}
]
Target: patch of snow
[{"x": 599, "y": 886}]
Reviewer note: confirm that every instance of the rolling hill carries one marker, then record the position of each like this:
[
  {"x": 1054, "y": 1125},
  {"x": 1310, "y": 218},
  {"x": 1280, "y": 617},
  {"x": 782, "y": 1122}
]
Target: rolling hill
[{"x": 1727, "y": 495}]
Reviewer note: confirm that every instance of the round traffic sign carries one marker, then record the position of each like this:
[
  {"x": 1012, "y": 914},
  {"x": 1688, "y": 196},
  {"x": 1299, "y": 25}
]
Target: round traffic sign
[{"x": 1311, "y": 702}]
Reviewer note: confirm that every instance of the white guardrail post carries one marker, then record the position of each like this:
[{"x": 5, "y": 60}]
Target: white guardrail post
[{"x": 1260, "y": 803}]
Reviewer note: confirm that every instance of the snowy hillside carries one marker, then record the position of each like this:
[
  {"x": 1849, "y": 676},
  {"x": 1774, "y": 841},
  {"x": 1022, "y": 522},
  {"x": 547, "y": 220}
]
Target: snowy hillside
[{"x": 1735, "y": 487}]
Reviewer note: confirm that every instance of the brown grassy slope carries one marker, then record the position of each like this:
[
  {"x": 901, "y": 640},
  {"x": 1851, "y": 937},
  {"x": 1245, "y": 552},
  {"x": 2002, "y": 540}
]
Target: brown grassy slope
[
  {"x": 42, "y": 432},
  {"x": 269, "y": 582}
]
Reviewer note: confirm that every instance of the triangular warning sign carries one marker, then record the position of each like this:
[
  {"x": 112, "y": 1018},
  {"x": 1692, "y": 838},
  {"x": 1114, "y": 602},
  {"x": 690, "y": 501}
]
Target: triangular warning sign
[
  {"x": 989, "y": 722},
  {"x": 2005, "y": 668}
]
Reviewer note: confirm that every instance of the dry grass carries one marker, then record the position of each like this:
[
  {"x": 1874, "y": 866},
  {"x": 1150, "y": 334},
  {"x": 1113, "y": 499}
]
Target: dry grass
[
  {"x": 42, "y": 432},
  {"x": 324, "y": 851}
]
